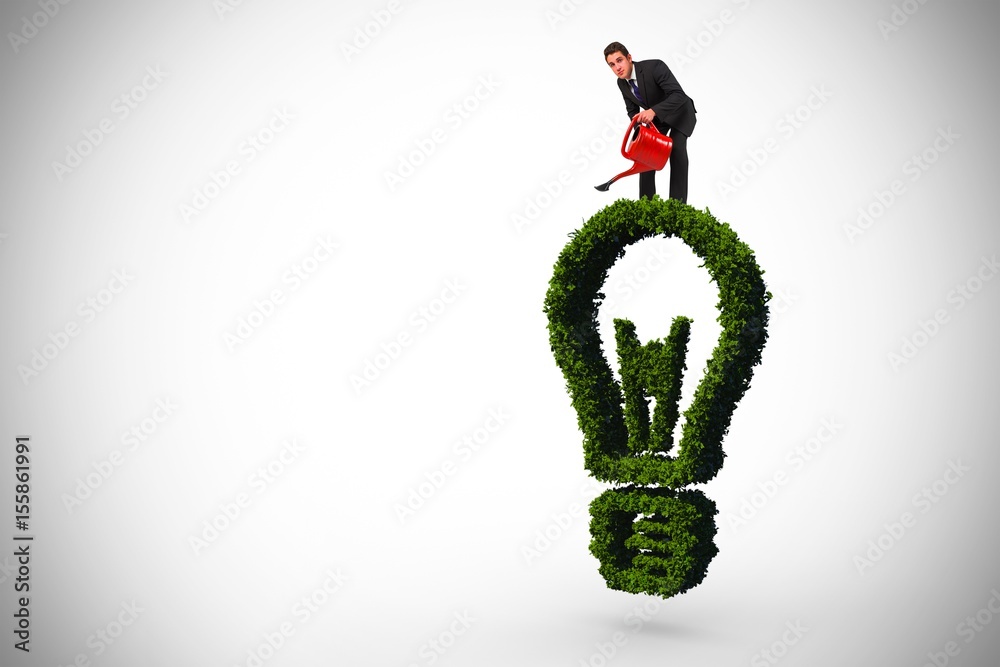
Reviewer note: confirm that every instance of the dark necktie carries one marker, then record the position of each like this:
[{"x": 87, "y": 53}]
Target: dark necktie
[{"x": 635, "y": 91}]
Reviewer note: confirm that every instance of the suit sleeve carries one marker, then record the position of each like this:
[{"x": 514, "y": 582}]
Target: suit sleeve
[
  {"x": 674, "y": 98},
  {"x": 631, "y": 108}
]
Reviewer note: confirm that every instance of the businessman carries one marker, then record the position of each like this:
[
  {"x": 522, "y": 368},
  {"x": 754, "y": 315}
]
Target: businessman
[{"x": 651, "y": 85}]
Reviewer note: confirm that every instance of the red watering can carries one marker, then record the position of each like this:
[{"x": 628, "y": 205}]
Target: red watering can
[{"x": 649, "y": 150}]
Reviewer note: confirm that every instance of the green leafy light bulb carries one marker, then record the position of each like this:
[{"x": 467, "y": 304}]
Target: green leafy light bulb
[{"x": 650, "y": 533}]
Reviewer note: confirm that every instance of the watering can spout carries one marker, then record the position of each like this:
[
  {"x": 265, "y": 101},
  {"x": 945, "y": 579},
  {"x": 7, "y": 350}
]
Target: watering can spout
[
  {"x": 636, "y": 169},
  {"x": 649, "y": 151}
]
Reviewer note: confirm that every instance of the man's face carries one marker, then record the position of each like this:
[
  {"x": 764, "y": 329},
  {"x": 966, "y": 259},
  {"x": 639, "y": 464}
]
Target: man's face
[{"x": 620, "y": 65}]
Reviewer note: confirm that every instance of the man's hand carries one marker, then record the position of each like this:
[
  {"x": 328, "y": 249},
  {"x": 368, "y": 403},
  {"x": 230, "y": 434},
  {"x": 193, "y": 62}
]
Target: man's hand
[{"x": 646, "y": 116}]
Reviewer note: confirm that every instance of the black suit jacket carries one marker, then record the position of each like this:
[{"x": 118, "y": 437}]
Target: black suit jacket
[{"x": 661, "y": 92}]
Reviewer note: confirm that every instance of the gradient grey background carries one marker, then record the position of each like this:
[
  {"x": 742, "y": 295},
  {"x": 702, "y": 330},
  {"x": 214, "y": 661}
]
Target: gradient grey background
[{"x": 842, "y": 306}]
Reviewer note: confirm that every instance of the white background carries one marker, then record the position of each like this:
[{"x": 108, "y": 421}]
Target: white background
[{"x": 480, "y": 222}]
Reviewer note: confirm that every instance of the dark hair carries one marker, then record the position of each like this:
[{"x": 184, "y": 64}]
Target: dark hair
[{"x": 613, "y": 47}]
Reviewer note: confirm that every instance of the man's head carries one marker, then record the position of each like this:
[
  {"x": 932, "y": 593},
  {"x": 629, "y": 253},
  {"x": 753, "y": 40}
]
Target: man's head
[{"x": 618, "y": 60}]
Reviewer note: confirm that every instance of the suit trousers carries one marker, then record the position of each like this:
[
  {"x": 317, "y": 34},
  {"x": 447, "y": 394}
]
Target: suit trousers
[{"x": 678, "y": 170}]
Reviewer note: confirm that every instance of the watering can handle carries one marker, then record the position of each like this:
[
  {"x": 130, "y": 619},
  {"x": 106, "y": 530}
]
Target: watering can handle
[{"x": 629, "y": 131}]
